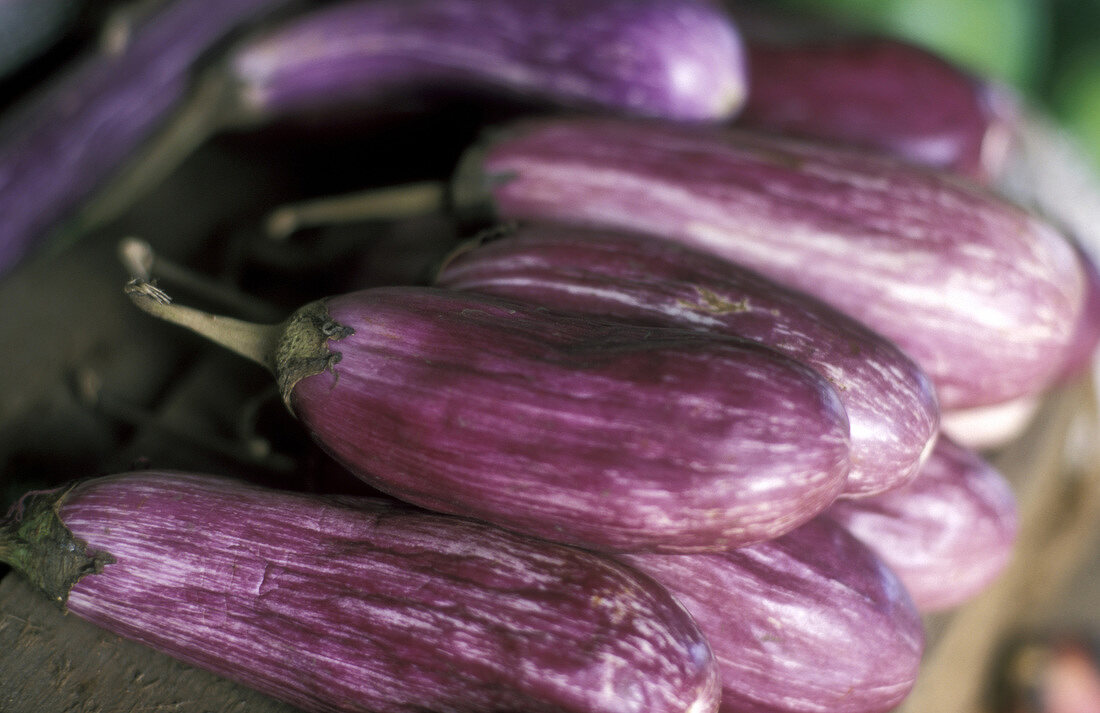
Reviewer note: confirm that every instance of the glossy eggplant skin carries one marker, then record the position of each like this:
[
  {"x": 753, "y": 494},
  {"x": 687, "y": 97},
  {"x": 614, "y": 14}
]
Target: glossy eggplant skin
[
  {"x": 890, "y": 402},
  {"x": 948, "y": 534},
  {"x": 612, "y": 436},
  {"x": 67, "y": 141},
  {"x": 674, "y": 59},
  {"x": 357, "y": 604},
  {"x": 882, "y": 94},
  {"x": 981, "y": 294},
  {"x": 812, "y": 621}
]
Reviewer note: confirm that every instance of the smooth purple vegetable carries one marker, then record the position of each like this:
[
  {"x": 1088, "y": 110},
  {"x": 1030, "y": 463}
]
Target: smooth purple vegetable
[
  {"x": 981, "y": 294},
  {"x": 878, "y": 93},
  {"x": 890, "y": 403},
  {"x": 609, "y": 435},
  {"x": 948, "y": 534},
  {"x": 356, "y": 604},
  {"x": 78, "y": 132},
  {"x": 675, "y": 59},
  {"x": 812, "y": 621}
]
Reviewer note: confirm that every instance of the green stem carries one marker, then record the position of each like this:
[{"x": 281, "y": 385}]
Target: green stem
[
  {"x": 390, "y": 203},
  {"x": 257, "y": 342},
  {"x": 204, "y": 114},
  {"x": 291, "y": 351},
  {"x": 34, "y": 541},
  {"x": 145, "y": 264}
]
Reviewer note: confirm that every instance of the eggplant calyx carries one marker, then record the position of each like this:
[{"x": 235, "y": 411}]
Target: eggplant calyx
[
  {"x": 35, "y": 541},
  {"x": 303, "y": 347}
]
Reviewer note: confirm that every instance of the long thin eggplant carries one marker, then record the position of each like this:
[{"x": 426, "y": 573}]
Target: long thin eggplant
[
  {"x": 94, "y": 140},
  {"x": 890, "y": 402},
  {"x": 609, "y": 435},
  {"x": 879, "y": 93},
  {"x": 76, "y": 134},
  {"x": 354, "y": 604},
  {"x": 948, "y": 534},
  {"x": 812, "y": 621},
  {"x": 674, "y": 59},
  {"x": 981, "y": 294}
]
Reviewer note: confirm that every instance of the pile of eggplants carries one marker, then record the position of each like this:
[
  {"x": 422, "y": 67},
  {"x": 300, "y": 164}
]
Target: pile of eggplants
[{"x": 670, "y": 441}]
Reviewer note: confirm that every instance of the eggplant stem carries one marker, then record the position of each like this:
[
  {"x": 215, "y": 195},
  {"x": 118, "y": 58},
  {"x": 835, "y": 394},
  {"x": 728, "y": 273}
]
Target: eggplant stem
[
  {"x": 257, "y": 342},
  {"x": 204, "y": 114},
  {"x": 390, "y": 203},
  {"x": 143, "y": 262}
]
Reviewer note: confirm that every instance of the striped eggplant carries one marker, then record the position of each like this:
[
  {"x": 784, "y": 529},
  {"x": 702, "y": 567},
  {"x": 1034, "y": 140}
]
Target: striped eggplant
[
  {"x": 78, "y": 132},
  {"x": 890, "y": 403},
  {"x": 948, "y": 534},
  {"x": 812, "y": 621},
  {"x": 674, "y": 59},
  {"x": 603, "y": 434},
  {"x": 357, "y": 604},
  {"x": 981, "y": 294},
  {"x": 879, "y": 93},
  {"x": 121, "y": 120}
]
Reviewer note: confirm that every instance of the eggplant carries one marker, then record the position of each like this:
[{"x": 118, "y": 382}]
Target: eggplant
[
  {"x": 811, "y": 621},
  {"x": 94, "y": 140},
  {"x": 891, "y": 406},
  {"x": 612, "y": 436},
  {"x": 673, "y": 59},
  {"x": 983, "y": 295},
  {"x": 358, "y": 604},
  {"x": 67, "y": 142},
  {"x": 948, "y": 534},
  {"x": 882, "y": 94}
]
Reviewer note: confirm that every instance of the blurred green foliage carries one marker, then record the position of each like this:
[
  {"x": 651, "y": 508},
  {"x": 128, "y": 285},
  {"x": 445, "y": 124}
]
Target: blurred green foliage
[{"x": 1048, "y": 49}]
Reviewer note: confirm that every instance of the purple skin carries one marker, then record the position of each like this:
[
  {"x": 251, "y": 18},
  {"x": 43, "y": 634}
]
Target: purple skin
[
  {"x": 1081, "y": 353},
  {"x": 981, "y": 294},
  {"x": 880, "y": 94},
  {"x": 890, "y": 402},
  {"x": 810, "y": 622},
  {"x": 948, "y": 534},
  {"x": 356, "y": 604},
  {"x": 608, "y": 435},
  {"x": 675, "y": 59},
  {"x": 65, "y": 143}
]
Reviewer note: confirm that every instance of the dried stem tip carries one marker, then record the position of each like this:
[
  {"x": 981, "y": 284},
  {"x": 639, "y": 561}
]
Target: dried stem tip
[
  {"x": 257, "y": 342},
  {"x": 292, "y": 350}
]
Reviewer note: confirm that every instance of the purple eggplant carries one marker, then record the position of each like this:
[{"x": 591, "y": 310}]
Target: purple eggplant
[
  {"x": 890, "y": 402},
  {"x": 95, "y": 139},
  {"x": 77, "y": 133},
  {"x": 812, "y": 621},
  {"x": 675, "y": 59},
  {"x": 356, "y": 604},
  {"x": 948, "y": 534},
  {"x": 609, "y": 435},
  {"x": 981, "y": 294},
  {"x": 881, "y": 94}
]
